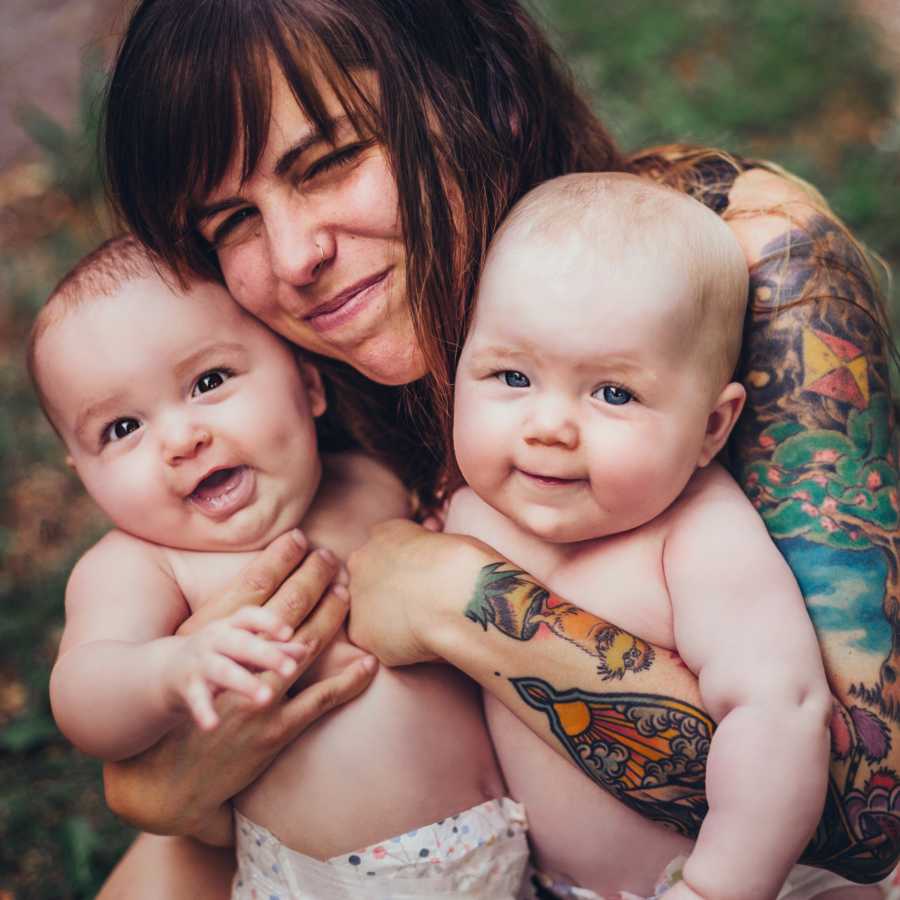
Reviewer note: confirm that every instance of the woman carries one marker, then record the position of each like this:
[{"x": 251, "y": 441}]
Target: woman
[{"x": 342, "y": 165}]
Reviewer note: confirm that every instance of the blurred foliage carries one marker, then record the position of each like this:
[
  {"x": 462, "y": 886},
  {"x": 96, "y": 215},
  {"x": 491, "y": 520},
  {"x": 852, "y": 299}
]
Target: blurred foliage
[{"x": 797, "y": 83}]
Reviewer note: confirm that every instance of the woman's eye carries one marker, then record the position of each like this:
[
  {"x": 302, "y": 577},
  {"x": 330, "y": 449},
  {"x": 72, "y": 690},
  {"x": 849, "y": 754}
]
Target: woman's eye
[
  {"x": 238, "y": 226},
  {"x": 340, "y": 157},
  {"x": 514, "y": 379},
  {"x": 119, "y": 429},
  {"x": 614, "y": 395},
  {"x": 209, "y": 381}
]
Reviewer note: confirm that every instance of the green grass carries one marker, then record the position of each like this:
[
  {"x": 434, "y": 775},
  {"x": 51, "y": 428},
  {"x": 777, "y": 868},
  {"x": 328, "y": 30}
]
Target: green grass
[{"x": 797, "y": 83}]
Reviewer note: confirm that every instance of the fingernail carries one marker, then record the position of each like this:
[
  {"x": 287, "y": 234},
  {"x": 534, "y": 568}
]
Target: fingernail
[
  {"x": 288, "y": 667},
  {"x": 369, "y": 663},
  {"x": 326, "y": 554},
  {"x": 284, "y": 633},
  {"x": 340, "y": 591},
  {"x": 263, "y": 694},
  {"x": 299, "y": 538}
]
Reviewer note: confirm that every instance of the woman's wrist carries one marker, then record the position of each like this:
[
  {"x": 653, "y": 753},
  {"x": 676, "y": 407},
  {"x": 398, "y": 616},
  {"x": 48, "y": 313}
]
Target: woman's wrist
[{"x": 454, "y": 565}]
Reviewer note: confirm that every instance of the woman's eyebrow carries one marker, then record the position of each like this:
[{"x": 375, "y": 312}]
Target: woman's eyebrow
[
  {"x": 282, "y": 167},
  {"x": 296, "y": 150}
]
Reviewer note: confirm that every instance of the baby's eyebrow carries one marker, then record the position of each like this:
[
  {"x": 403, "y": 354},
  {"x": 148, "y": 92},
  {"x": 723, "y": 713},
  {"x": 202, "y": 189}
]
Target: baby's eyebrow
[
  {"x": 208, "y": 352},
  {"x": 98, "y": 409}
]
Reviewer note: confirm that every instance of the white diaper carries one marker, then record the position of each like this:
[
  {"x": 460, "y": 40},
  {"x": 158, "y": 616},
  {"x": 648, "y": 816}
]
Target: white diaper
[
  {"x": 479, "y": 853},
  {"x": 802, "y": 883}
]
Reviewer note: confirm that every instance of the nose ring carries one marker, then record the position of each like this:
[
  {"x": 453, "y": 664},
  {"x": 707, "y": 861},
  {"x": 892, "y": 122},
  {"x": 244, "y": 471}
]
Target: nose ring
[{"x": 322, "y": 254}]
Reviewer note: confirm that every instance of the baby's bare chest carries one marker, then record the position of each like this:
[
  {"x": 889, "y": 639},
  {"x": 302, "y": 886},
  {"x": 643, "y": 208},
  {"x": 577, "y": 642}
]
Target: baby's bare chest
[{"x": 620, "y": 579}]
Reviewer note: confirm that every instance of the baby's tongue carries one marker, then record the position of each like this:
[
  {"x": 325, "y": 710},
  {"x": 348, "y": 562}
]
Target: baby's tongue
[{"x": 215, "y": 484}]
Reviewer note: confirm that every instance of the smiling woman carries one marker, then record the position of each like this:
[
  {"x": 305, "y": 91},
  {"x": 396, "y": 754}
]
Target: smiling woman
[{"x": 343, "y": 173}]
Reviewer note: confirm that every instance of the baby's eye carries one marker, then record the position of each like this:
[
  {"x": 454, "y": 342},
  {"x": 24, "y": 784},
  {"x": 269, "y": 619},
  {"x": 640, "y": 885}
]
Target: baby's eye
[
  {"x": 119, "y": 429},
  {"x": 209, "y": 381},
  {"x": 613, "y": 395},
  {"x": 514, "y": 379}
]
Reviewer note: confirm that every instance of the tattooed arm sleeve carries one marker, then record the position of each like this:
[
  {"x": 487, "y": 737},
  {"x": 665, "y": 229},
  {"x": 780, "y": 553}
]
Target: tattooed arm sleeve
[{"x": 816, "y": 452}]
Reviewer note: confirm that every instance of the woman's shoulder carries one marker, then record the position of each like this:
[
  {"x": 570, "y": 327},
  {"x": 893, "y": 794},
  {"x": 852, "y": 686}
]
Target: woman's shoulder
[{"x": 774, "y": 214}]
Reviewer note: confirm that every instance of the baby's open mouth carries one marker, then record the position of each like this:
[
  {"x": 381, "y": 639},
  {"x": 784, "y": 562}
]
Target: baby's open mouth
[{"x": 222, "y": 490}]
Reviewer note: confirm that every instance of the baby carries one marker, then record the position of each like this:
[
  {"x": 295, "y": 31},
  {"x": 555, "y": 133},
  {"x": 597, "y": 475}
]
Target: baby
[
  {"x": 592, "y": 395},
  {"x": 192, "y": 426}
]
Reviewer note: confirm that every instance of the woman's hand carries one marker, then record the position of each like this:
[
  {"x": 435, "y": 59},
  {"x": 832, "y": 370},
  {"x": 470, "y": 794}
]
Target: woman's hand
[
  {"x": 181, "y": 784},
  {"x": 404, "y": 581}
]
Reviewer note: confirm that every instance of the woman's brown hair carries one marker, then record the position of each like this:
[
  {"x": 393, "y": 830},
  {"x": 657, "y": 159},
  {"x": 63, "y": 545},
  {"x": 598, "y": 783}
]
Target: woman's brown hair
[{"x": 474, "y": 105}]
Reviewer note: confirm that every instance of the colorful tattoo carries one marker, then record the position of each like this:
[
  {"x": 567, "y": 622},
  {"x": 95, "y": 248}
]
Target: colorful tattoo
[
  {"x": 648, "y": 751},
  {"x": 816, "y": 452},
  {"x": 512, "y": 602}
]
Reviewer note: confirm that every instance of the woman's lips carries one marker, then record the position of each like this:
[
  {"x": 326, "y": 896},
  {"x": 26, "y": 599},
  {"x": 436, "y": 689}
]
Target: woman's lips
[
  {"x": 343, "y": 308},
  {"x": 223, "y": 492}
]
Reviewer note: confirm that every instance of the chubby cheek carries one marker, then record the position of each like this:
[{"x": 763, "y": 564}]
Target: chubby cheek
[
  {"x": 131, "y": 497},
  {"x": 481, "y": 439}
]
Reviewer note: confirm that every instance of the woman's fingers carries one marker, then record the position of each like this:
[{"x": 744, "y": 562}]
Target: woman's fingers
[
  {"x": 314, "y": 701},
  {"x": 256, "y": 582},
  {"x": 300, "y": 593},
  {"x": 323, "y": 624}
]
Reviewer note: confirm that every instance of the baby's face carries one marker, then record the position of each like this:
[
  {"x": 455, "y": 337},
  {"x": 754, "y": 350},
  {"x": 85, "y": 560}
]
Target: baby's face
[
  {"x": 577, "y": 413},
  {"x": 188, "y": 421}
]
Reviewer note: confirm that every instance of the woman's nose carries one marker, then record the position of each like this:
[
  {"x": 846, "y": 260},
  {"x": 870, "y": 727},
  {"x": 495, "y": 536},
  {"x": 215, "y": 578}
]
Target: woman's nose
[
  {"x": 184, "y": 440},
  {"x": 552, "y": 423},
  {"x": 297, "y": 253}
]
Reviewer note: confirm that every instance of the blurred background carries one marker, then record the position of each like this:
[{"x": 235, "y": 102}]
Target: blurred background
[{"x": 811, "y": 84}]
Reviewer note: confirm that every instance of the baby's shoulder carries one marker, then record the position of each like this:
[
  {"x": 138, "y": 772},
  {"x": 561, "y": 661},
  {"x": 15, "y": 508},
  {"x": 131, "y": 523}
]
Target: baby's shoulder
[
  {"x": 118, "y": 549},
  {"x": 116, "y": 560},
  {"x": 713, "y": 512}
]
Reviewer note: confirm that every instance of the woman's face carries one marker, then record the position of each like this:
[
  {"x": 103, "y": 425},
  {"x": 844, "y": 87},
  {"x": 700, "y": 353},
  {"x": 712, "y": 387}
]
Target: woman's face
[{"x": 311, "y": 243}]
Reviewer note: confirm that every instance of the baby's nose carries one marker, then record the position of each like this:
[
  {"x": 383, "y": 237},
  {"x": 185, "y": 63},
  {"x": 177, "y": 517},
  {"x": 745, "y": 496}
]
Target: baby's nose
[
  {"x": 553, "y": 424},
  {"x": 185, "y": 441}
]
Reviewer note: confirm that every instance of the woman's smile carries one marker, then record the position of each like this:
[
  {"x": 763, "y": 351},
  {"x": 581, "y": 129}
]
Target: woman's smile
[{"x": 349, "y": 303}]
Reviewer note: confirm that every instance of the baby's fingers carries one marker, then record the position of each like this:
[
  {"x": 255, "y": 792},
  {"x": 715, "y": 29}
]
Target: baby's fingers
[
  {"x": 259, "y": 653},
  {"x": 261, "y": 620},
  {"x": 198, "y": 699},
  {"x": 227, "y": 675}
]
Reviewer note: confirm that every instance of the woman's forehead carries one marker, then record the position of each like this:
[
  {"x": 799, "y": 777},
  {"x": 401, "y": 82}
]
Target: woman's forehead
[{"x": 292, "y": 130}]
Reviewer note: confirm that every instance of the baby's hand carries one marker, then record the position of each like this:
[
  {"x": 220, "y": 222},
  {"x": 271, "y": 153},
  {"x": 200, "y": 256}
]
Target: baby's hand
[{"x": 223, "y": 656}]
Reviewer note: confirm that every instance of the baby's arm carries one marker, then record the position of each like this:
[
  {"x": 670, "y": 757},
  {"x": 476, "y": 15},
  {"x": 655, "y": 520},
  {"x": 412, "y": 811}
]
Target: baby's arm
[
  {"x": 122, "y": 679},
  {"x": 741, "y": 625}
]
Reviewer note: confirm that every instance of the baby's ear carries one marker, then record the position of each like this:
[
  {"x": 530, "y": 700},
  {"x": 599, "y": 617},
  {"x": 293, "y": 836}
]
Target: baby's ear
[
  {"x": 721, "y": 420},
  {"x": 315, "y": 390}
]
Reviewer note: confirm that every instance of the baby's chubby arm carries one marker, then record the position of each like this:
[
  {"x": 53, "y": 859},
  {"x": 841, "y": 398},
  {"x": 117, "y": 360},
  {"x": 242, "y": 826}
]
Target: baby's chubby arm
[
  {"x": 740, "y": 624},
  {"x": 122, "y": 679}
]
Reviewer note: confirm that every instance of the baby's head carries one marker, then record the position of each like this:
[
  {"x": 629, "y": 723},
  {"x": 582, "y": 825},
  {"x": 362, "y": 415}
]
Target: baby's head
[
  {"x": 189, "y": 422},
  {"x": 596, "y": 375}
]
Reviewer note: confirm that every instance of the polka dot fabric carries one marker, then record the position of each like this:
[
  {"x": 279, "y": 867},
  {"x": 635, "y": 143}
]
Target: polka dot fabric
[{"x": 481, "y": 853}]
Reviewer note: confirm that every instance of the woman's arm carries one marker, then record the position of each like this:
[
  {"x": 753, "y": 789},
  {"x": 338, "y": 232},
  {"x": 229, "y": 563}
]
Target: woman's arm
[
  {"x": 183, "y": 784},
  {"x": 816, "y": 452},
  {"x": 420, "y": 596}
]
